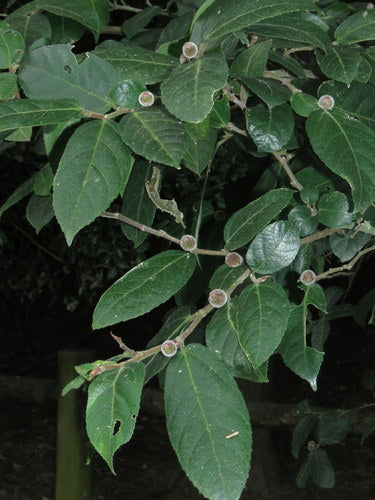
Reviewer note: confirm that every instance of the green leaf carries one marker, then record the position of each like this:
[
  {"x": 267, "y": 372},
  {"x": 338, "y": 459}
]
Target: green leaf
[
  {"x": 136, "y": 204},
  {"x": 302, "y": 218},
  {"x": 176, "y": 29},
  {"x": 64, "y": 30},
  {"x": 93, "y": 14},
  {"x": 222, "y": 17},
  {"x": 22, "y": 134},
  {"x": 302, "y": 360},
  {"x": 221, "y": 338},
  {"x": 332, "y": 429},
  {"x": 144, "y": 287},
  {"x": 198, "y": 152},
  {"x": 76, "y": 383},
  {"x": 93, "y": 170},
  {"x": 21, "y": 192},
  {"x": 339, "y": 63},
  {"x": 251, "y": 62},
  {"x": 273, "y": 248},
  {"x": 357, "y": 28},
  {"x": 287, "y": 62},
  {"x": 176, "y": 322},
  {"x": 33, "y": 27},
  {"x": 43, "y": 181},
  {"x": 358, "y": 100},
  {"x": 112, "y": 408},
  {"x": 12, "y": 46},
  {"x": 188, "y": 92},
  {"x": 270, "y": 129},
  {"x": 303, "y": 104},
  {"x": 135, "y": 63},
  {"x": 224, "y": 276},
  {"x": 39, "y": 211},
  {"x": 52, "y": 72},
  {"x": 346, "y": 247},
  {"x": 126, "y": 93},
  {"x": 333, "y": 210},
  {"x": 318, "y": 467},
  {"x": 301, "y": 432},
  {"x": 247, "y": 222},
  {"x": 263, "y": 320},
  {"x": 318, "y": 179},
  {"x": 292, "y": 26},
  {"x": 154, "y": 134},
  {"x": 347, "y": 147},
  {"x": 220, "y": 113},
  {"x": 204, "y": 406},
  {"x": 309, "y": 194},
  {"x": 34, "y": 112},
  {"x": 273, "y": 93},
  {"x": 8, "y": 85},
  {"x": 136, "y": 23}
]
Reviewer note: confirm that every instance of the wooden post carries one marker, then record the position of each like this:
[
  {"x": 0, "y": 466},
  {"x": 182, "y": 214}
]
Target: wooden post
[{"x": 73, "y": 476}]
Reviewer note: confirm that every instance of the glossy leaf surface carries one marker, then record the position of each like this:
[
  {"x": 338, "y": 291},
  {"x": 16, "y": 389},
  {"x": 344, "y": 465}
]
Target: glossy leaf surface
[
  {"x": 246, "y": 223},
  {"x": 273, "y": 248}
]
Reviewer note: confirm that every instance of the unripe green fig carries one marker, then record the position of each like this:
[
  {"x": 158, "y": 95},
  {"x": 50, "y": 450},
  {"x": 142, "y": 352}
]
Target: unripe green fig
[
  {"x": 217, "y": 298},
  {"x": 307, "y": 277},
  {"x": 168, "y": 348},
  {"x": 233, "y": 259},
  {"x": 188, "y": 243},
  {"x": 326, "y": 102},
  {"x": 146, "y": 99},
  {"x": 190, "y": 50}
]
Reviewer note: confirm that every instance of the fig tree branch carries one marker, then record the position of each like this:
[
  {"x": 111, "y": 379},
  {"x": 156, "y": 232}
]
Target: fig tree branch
[
  {"x": 344, "y": 267},
  {"x": 160, "y": 233},
  {"x": 197, "y": 317}
]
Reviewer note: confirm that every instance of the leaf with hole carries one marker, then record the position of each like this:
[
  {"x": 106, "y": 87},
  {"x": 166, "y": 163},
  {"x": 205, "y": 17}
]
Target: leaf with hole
[
  {"x": 12, "y": 46},
  {"x": 52, "y": 72},
  {"x": 112, "y": 407}
]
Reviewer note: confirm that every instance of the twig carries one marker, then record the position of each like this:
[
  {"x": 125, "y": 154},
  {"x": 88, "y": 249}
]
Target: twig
[
  {"x": 51, "y": 254},
  {"x": 298, "y": 49},
  {"x": 232, "y": 127},
  {"x": 115, "y": 6},
  {"x": 196, "y": 319},
  {"x": 320, "y": 234},
  {"x": 160, "y": 233},
  {"x": 112, "y": 30},
  {"x": 344, "y": 267},
  {"x": 233, "y": 98},
  {"x": 284, "y": 163},
  {"x": 285, "y": 80},
  {"x": 107, "y": 116}
]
